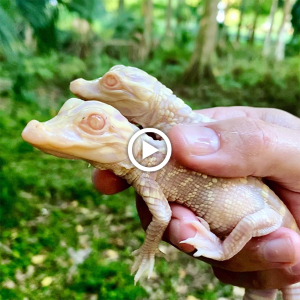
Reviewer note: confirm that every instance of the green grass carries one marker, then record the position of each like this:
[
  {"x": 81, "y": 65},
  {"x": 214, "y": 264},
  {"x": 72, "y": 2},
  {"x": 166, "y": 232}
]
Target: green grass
[{"x": 105, "y": 274}]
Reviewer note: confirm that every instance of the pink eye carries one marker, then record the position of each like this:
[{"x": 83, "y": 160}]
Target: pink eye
[
  {"x": 110, "y": 80},
  {"x": 95, "y": 122},
  {"x": 92, "y": 124}
]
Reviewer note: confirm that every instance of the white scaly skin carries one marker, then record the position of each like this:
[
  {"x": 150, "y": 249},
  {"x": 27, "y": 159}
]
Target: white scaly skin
[
  {"x": 140, "y": 97},
  {"x": 231, "y": 211}
]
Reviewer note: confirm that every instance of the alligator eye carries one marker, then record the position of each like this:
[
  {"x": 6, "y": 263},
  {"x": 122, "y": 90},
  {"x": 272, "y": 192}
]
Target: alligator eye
[
  {"x": 110, "y": 80},
  {"x": 92, "y": 124},
  {"x": 96, "y": 122}
]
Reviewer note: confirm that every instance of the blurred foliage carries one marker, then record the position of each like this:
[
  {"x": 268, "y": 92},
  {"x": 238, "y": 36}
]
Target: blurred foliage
[
  {"x": 296, "y": 17},
  {"x": 8, "y": 33},
  {"x": 293, "y": 48},
  {"x": 48, "y": 205}
]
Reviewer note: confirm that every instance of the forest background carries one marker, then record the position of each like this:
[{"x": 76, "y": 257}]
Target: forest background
[{"x": 60, "y": 239}]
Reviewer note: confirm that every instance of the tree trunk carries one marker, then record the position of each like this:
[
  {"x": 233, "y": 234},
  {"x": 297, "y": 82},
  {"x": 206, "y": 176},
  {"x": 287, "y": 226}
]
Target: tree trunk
[
  {"x": 257, "y": 12},
  {"x": 29, "y": 40},
  {"x": 180, "y": 4},
  {"x": 200, "y": 63},
  {"x": 242, "y": 10},
  {"x": 121, "y": 6},
  {"x": 168, "y": 32},
  {"x": 267, "y": 42},
  {"x": 223, "y": 34},
  {"x": 147, "y": 35},
  {"x": 280, "y": 44}
]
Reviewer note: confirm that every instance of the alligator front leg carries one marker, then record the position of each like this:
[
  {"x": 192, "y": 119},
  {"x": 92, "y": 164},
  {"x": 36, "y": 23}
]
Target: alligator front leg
[{"x": 161, "y": 216}]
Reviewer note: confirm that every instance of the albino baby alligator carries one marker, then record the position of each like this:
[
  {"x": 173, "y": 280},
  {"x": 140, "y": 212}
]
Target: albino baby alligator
[
  {"x": 230, "y": 211},
  {"x": 140, "y": 97}
]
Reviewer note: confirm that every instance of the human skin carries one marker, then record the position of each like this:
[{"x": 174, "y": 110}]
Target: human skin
[{"x": 244, "y": 141}]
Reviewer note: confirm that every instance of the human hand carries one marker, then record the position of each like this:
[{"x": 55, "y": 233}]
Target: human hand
[{"x": 245, "y": 141}]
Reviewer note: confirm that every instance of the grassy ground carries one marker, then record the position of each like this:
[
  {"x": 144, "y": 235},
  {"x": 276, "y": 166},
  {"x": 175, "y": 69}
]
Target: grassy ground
[{"x": 37, "y": 257}]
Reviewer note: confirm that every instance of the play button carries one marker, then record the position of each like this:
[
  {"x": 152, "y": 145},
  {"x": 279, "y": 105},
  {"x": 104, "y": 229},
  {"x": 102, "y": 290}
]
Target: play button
[
  {"x": 163, "y": 146},
  {"x": 148, "y": 150}
]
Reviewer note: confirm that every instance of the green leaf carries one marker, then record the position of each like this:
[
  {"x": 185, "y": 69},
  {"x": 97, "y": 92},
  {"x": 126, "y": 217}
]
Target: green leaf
[
  {"x": 87, "y": 9},
  {"x": 42, "y": 17},
  {"x": 8, "y": 35}
]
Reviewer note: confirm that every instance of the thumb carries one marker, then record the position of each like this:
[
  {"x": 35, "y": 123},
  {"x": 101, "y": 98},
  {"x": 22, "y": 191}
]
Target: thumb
[{"x": 240, "y": 147}]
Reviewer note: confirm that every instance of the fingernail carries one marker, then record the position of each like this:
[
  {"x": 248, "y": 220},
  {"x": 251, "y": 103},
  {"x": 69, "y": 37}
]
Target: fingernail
[
  {"x": 279, "y": 250},
  {"x": 199, "y": 140},
  {"x": 295, "y": 270},
  {"x": 180, "y": 232}
]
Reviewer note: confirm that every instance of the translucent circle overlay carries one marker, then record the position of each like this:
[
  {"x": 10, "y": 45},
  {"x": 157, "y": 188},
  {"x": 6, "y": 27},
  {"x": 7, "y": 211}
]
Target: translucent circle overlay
[{"x": 138, "y": 165}]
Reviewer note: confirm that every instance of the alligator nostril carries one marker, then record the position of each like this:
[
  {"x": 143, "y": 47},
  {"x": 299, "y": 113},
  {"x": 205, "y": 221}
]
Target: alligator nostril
[
  {"x": 34, "y": 124},
  {"x": 32, "y": 132}
]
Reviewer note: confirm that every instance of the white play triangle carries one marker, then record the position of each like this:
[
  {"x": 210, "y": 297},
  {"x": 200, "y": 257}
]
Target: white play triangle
[{"x": 147, "y": 150}]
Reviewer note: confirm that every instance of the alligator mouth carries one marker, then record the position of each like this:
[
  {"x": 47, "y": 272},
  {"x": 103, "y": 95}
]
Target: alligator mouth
[{"x": 55, "y": 153}]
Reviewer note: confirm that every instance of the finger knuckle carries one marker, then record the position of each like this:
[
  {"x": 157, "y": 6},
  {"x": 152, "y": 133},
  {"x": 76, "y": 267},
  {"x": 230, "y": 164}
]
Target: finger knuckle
[{"x": 255, "y": 137}]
